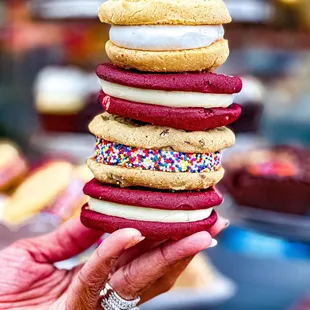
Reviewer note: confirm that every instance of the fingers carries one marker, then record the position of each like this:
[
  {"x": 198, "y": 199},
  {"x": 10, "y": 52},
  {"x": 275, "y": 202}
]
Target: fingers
[
  {"x": 131, "y": 280},
  {"x": 147, "y": 245},
  {"x": 218, "y": 226},
  {"x": 85, "y": 290},
  {"x": 165, "y": 283},
  {"x": 135, "y": 252},
  {"x": 69, "y": 240}
]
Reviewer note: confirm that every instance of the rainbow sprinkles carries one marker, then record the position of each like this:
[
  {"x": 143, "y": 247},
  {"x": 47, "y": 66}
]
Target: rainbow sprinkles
[{"x": 114, "y": 154}]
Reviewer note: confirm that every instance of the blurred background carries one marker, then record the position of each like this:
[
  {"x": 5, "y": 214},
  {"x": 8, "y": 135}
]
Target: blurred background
[{"x": 49, "y": 50}]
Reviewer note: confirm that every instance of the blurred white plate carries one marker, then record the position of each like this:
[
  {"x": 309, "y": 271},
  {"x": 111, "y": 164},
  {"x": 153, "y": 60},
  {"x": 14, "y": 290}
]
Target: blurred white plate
[{"x": 220, "y": 290}]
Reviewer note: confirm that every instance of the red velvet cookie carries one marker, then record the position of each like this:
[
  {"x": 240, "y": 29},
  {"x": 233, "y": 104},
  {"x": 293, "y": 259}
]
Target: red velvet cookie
[
  {"x": 151, "y": 230},
  {"x": 156, "y": 199},
  {"x": 194, "y": 119},
  {"x": 201, "y": 82}
]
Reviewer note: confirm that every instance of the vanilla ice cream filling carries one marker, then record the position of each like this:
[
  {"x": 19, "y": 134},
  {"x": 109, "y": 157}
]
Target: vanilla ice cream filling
[
  {"x": 165, "y": 38},
  {"x": 147, "y": 214},
  {"x": 172, "y": 99}
]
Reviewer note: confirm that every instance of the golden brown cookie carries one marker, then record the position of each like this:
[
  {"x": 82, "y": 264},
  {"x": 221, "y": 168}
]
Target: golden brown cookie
[
  {"x": 13, "y": 166},
  {"x": 124, "y": 131},
  {"x": 153, "y": 179},
  {"x": 164, "y": 12},
  {"x": 206, "y": 58},
  {"x": 38, "y": 191}
]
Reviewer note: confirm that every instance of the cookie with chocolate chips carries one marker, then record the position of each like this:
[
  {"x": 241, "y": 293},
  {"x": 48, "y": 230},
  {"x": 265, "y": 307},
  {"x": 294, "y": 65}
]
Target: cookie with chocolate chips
[{"x": 125, "y": 131}]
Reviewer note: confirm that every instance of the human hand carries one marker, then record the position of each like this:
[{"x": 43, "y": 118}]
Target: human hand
[{"x": 29, "y": 279}]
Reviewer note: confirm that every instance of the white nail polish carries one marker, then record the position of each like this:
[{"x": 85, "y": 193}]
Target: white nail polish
[{"x": 213, "y": 243}]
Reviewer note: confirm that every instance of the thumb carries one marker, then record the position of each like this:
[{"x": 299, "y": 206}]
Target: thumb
[{"x": 85, "y": 290}]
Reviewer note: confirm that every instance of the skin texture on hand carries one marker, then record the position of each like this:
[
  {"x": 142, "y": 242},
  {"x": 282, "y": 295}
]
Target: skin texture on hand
[{"x": 29, "y": 279}]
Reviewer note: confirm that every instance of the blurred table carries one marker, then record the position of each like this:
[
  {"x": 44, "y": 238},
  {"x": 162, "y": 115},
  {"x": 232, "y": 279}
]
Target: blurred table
[{"x": 271, "y": 272}]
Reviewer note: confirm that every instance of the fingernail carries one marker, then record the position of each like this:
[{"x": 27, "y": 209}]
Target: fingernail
[
  {"x": 213, "y": 243},
  {"x": 227, "y": 223},
  {"x": 134, "y": 242}
]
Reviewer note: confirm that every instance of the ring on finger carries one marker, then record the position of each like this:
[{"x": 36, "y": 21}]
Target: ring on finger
[{"x": 110, "y": 300}]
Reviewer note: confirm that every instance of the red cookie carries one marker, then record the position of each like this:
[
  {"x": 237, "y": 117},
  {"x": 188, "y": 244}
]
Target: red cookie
[
  {"x": 151, "y": 230},
  {"x": 201, "y": 82},
  {"x": 193, "y": 119},
  {"x": 148, "y": 198}
]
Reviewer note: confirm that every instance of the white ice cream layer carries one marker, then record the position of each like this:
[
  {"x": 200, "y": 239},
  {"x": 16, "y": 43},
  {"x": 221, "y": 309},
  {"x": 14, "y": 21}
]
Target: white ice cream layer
[
  {"x": 147, "y": 214},
  {"x": 173, "y": 99},
  {"x": 165, "y": 38}
]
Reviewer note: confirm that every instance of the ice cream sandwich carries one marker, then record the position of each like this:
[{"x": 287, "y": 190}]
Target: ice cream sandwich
[
  {"x": 53, "y": 187},
  {"x": 189, "y": 101},
  {"x": 166, "y": 36},
  {"x": 135, "y": 154},
  {"x": 157, "y": 214}
]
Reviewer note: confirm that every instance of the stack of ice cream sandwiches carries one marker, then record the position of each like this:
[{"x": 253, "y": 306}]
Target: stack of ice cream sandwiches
[{"x": 160, "y": 140}]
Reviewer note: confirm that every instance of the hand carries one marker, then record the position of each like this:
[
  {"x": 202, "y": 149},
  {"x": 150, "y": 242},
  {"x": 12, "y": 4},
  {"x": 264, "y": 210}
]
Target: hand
[{"x": 29, "y": 279}]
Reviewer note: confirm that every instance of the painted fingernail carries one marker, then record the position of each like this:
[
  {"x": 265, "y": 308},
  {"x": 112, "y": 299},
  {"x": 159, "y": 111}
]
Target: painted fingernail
[
  {"x": 213, "y": 243},
  {"x": 134, "y": 242}
]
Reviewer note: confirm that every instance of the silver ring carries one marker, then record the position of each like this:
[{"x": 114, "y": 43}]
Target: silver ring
[{"x": 112, "y": 301}]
